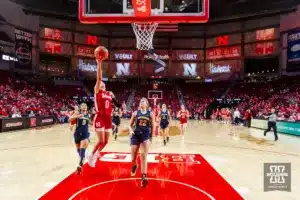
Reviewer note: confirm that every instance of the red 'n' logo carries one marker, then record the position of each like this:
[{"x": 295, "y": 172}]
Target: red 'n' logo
[{"x": 222, "y": 40}]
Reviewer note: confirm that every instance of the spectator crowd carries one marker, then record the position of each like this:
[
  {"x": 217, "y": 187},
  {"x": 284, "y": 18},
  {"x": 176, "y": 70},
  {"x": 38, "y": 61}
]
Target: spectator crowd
[{"x": 18, "y": 98}]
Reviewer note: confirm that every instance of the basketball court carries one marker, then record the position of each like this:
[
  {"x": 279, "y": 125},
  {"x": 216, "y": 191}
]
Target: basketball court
[{"x": 214, "y": 161}]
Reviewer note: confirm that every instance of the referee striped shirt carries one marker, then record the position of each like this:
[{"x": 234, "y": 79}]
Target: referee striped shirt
[{"x": 273, "y": 117}]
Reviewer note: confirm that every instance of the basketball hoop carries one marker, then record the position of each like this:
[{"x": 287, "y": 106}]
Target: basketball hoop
[{"x": 144, "y": 33}]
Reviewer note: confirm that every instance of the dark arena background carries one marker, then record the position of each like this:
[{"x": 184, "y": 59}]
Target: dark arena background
[{"x": 233, "y": 64}]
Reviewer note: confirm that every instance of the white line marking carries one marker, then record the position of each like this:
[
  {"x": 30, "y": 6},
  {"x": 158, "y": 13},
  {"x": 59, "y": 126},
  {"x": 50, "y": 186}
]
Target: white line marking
[{"x": 129, "y": 179}]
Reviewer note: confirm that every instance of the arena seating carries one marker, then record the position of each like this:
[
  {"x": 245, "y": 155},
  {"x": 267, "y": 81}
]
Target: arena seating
[
  {"x": 19, "y": 97},
  {"x": 282, "y": 94},
  {"x": 198, "y": 96}
]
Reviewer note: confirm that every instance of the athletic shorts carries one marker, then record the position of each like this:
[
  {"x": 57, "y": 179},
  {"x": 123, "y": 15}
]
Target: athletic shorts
[
  {"x": 164, "y": 125},
  {"x": 103, "y": 123},
  {"x": 79, "y": 136},
  {"x": 139, "y": 137},
  {"x": 183, "y": 121},
  {"x": 116, "y": 121}
]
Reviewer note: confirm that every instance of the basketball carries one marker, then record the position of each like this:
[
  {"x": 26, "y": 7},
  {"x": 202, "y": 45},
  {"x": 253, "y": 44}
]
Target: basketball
[{"x": 101, "y": 53}]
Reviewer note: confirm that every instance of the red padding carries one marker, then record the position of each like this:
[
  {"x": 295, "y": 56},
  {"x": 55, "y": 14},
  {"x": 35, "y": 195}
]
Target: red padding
[{"x": 142, "y": 8}]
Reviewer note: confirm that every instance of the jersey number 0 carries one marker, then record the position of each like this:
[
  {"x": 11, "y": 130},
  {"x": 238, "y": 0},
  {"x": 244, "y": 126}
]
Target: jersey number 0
[{"x": 106, "y": 104}]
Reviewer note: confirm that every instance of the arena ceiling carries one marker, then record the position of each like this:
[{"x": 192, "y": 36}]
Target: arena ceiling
[{"x": 219, "y": 9}]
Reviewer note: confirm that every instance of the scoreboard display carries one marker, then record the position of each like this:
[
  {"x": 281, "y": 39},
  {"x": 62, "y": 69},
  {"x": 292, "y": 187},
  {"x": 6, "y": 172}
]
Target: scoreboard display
[
  {"x": 55, "y": 34},
  {"x": 262, "y": 35},
  {"x": 261, "y": 49},
  {"x": 53, "y": 47}
]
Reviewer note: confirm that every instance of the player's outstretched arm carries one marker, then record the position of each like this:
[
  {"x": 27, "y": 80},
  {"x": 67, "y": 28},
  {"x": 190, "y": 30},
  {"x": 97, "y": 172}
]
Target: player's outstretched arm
[
  {"x": 115, "y": 101},
  {"x": 99, "y": 75},
  {"x": 131, "y": 122},
  {"x": 158, "y": 116},
  {"x": 188, "y": 114},
  {"x": 75, "y": 116}
]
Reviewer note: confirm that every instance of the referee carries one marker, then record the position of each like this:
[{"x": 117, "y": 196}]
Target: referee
[{"x": 272, "y": 123}]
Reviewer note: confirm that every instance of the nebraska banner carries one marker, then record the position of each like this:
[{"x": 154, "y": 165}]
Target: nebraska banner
[
  {"x": 23, "y": 47},
  {"x": 186, "y": 69},
  {"x": 123, "y": 69},
  {"x": 293, "y": 51}
]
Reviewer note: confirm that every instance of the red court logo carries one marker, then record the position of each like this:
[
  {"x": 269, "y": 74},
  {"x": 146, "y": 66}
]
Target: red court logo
[
  {"x": 151, "y": 158},
  {"x": 171, "y": 176}
]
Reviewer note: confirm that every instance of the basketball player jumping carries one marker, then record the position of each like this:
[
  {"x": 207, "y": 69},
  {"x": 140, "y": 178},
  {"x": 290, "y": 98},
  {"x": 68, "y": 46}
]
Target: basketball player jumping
[
  {"x": 165, "y": 117},
  {"x": 143, "y": 121},
  {"x": 103, "y": 104},
  {"x": 81, "y": 134},
  {"x": 183, "y": 116}
]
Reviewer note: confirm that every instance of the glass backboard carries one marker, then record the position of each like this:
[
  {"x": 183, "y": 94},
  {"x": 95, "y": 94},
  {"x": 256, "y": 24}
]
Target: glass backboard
[{"x": 162, "y": 11}]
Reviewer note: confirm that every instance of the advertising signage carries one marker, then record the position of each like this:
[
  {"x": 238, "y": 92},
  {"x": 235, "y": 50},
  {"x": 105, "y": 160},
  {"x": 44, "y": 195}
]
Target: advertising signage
[
  {"x": 262, "y": 35},
  {"x": 293, "y": 51},
  {"x": 84, "y": 51},
  {"x": 222, "y": 70},
  {"x": 188, "y": 55},
  {"x": 123, "y": 55},
  {"x": 23, "y": 49},
  {"x": 224, "y": 40},
  {"x": 10, "y": 58},
  {"x": 55, "y": 34},
  {"x": 87, "y": 39},
  {"x": 186, "y": 70},
  {"x": 261, "y": 49},
  {"x": 53, "y": 47},
  {"x": 223, "y": 52},
  {"x": 157, "y": 54},
  {"x": 87, "y": 65}
]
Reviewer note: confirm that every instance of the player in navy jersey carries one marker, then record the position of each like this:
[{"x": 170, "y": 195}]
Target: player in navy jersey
[
  {"x": 143, "y": 122},
  {"x": 81, "y": 135},
  {"x": 165, "y": 117},
  {"x": 116, "y": 120}
]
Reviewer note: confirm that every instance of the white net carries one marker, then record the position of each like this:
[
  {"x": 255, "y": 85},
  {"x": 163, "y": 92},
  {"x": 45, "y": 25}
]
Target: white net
[{"x": 144, "y": 33}]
